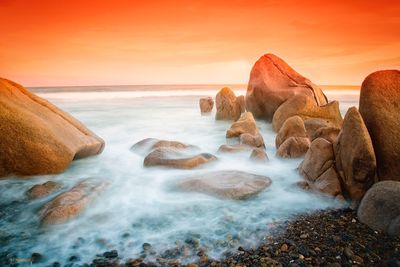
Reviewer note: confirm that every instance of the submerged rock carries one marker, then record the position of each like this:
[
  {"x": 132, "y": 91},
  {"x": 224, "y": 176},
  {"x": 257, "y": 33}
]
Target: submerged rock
[
  {"x": 354, "y": 155},
  {"x": 42, "y": 190},
  {"x": 380, "y": 207},
  {"x": 37, "y": 138},
  {"x": 146, "y": 145},
  {"x": 69, "y": 204},
  {"x": 226, "y": 184},
  {"x": 169, "y": 157},
  {"x": 380, "y": 109},
  {"x": 305, "y": 107},
  {"x": 272, "y": 82},
  {"x": 228, "y": 108},
  {"x": 259, "y": 154},
  {"x": 233, "y": 148},
  {"x": 206, "y": 104}
]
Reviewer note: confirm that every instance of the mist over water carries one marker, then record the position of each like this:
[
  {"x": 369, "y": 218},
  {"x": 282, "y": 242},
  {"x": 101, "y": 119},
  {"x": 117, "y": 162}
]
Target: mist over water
[{"x": 141, "y": 205}]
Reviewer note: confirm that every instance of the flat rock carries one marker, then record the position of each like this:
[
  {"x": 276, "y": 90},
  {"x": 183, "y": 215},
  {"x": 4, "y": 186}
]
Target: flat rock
[
  {"x": 169, "y": 157},
  {"x": 305, "y": 107},
  {"x": 380, "y": 109},
  {"x": 233, "y": 148},
  {"x": 354, "y": 155},
  {"x": 226, "y": 184},
  {"x": 69, "y": 204},
  {"x": 37, "y": 138},
  {"x": 272, "y": 82},
  {"x": 42, "y": 190},
  {"x": 146, "y": 145}
]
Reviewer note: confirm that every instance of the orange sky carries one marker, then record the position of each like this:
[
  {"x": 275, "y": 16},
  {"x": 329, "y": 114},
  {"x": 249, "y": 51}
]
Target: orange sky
[{"x": 71, "y": 42}]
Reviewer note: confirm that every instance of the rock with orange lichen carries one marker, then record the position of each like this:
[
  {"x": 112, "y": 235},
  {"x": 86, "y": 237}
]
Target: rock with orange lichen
[
  {"x": 272, "y": 82},
  {"x": 37, "y": 137}
]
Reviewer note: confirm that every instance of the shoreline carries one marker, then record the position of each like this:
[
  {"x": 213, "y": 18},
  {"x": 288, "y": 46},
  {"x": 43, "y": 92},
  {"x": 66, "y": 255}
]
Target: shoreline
[{"x": 332, "y": 237}]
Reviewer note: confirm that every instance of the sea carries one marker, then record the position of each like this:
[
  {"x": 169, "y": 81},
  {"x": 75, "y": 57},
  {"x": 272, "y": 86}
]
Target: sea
[{"x": 141, "y": 205}]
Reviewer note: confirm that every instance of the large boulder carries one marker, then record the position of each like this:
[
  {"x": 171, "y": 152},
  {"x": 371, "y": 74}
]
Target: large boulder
[
  {"x": 305, "y": 107},
  {"x": 318, "y": 168},
  {"x": 37, "y": 138},
  {"x": 42, "y": 190},
  {"x": 226, "y": 184},
  {"x": 146, "y": 145},
  {"x": 354, "y": 155},
  {"x": 380, "y": 207},
  {"x": 380, "y": 109},
  {"x": 228, "y": 107},
  {"x": 169, "y": 157},
  {"x": 206, "y": 104},
  {"x": 328, "y": 133},
  {"x": 272, "y": 82},
  {"x": 69, "y": 204}
]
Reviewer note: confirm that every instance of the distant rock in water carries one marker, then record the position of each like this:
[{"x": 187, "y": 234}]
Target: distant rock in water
[
  {"x": 169, "y": 157},
  {"x": 305, "y": 107},
  {"x": 206, "y": 104},
  {"x": 69, "y": 204},
  {"x": 242, "y": 103},
  {"x": 354, "y": 156},
  {"x": 380, "y": 207},
  {"x": 37, "y": 138},
  {"x": 42, "y": 190},
  {"x": 380, "y": 109},
  {"x": 272, "y": 82},
  {"x": 226, "y": 184},
  {"x": 146, "y": 145},
  {"x": 228, "y": 107}
]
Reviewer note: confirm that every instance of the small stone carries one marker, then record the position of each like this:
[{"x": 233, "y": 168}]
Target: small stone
[
  {"x": 357, "y": 259},
  {"x": 304, "y": 236},
  {"x": 36, "y": 257},
  {"x": 146, "y": 246},
  {"x": 192, "y": 265},
  {"x": 284, "y": 248},
  {"x": 348, "y": 252},
  {"x": 110, "y": 254},
  {"x": 301, "y": 257},
  {"x": 203, "y": 259}
]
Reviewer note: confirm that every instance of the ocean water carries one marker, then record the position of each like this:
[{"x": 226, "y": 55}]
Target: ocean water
[{"x": 141, "y": 205}]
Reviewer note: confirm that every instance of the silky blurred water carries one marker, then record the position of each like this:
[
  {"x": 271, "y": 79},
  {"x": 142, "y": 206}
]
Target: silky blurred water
[{"x": 140, "y": 205}]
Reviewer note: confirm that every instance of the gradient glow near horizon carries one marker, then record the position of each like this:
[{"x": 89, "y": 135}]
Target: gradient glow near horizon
[{"x": 70, "y": 42}]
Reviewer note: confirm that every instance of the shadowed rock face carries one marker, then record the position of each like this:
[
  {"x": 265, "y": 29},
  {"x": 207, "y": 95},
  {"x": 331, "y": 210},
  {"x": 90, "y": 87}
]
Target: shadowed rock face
[
  {"x": 37, "y": 138},
  {"x": 380, "y": 207},
  {"x": 226, "y": 184},
  {"x": 228, "y": 106},
  {"x": 319, "y": 170},
  {"x": 69, "y": 204},
  {"x": 173, "y": 158},
  {"x": 293, "y": 147},
  {"x": 380, "y": 109},
  {"x": 272, "y": 82},
  {"x": 354, "y": 155},
  {"x": 42, "y": 190},
  {"x": 305, "y": 107}
]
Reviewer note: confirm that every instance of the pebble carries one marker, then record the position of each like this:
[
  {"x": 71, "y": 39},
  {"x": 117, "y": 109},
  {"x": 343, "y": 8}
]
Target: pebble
[
  {"x": 284, "y": 248},
  {"x": 304, "y": 236}
]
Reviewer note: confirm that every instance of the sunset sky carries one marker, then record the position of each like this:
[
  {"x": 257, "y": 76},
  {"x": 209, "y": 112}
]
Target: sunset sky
[{"x": 71, "y": 42}]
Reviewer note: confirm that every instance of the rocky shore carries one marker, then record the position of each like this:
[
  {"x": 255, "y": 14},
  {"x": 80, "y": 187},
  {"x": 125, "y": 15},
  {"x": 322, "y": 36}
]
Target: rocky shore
[{"x": 324, "y": 238}]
